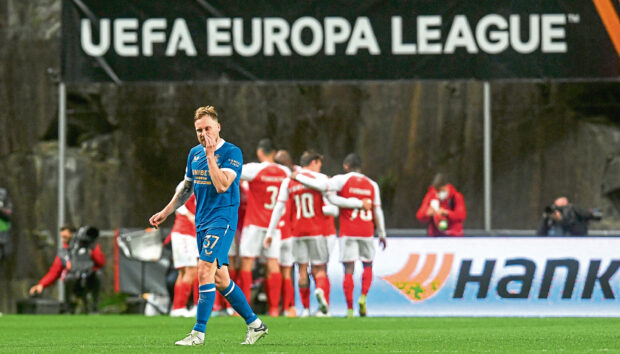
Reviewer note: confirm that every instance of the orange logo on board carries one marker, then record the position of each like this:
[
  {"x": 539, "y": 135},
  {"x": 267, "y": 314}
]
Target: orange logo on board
[
  {"x": 611, "y": 20},
  {"x": 419, "y": 287}
]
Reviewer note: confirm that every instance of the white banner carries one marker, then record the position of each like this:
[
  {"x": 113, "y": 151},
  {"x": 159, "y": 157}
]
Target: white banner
[{"x": 482, "y": 276}]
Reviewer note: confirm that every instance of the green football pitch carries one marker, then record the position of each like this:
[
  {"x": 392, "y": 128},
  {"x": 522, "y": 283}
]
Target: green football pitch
[{"x": 139, "y": 334}]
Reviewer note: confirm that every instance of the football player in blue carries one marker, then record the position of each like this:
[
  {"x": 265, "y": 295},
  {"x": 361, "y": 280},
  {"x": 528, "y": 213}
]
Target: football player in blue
[{"x": 212, "y": 174}]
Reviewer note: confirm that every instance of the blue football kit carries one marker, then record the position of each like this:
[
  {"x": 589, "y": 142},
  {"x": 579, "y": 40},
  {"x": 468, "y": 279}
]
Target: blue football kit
[{"x": 216, "y": 213}]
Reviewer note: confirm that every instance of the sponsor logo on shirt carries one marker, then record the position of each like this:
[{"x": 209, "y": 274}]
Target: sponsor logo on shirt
[{"x": 360, "y": 191}]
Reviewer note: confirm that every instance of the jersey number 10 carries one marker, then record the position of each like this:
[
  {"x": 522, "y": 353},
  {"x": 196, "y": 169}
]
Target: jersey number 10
[{"x": 304, "y": 204}]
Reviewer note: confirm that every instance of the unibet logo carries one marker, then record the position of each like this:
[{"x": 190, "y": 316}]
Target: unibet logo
[{"x": 420, "y": 286}]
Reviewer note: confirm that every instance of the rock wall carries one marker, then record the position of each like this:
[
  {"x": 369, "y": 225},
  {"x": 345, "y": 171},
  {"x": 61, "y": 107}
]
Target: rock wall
[{"x": 128, "y": 143}]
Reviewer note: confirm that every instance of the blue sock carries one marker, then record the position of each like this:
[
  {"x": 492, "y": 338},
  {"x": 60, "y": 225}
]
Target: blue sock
[
  {"x": 237, "y": 300},
  {"x": 205, "y": 305}
]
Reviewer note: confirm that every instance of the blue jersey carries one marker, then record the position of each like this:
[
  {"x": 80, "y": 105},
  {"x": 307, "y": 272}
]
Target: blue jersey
[{"x": 213, "y": 209}]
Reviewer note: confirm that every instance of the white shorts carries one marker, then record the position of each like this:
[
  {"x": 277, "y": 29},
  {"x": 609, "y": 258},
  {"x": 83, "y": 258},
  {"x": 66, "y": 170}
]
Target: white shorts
[
  {"x": 252, "y": 239},
  {"x": 331, "y": 242},
  {"x": 354, "y": 248},
  {"x": 286, "y": 253},
  {"x": 184, "y": 250},
  {"x": 234, "y": 248},
  {"x": 312, "y": 249}
]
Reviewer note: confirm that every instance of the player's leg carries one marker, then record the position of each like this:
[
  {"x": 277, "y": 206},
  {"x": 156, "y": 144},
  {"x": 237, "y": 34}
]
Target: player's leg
[
  {"x": 288, "y": 291},
  {"x": 319, "y": 254},
  {"x": 250, "y": 247},
  {"x": 207, "y": 242},
  {"x": 274, "y": 287},
  {"x": 286, "y": 268},
  {"x": 190, "y": 284},
  {"x": 366, "y": 255},
  {"x": 348, "y": 254},
  {"x": 302, "y": 258},
  {"x": 273, "y": 277},
  {"x": 348, "y": 286},
  {"x": 206, "y": 278},
  {"x": 304, "y": 288},
  {"x": 185, "y": 256},
  {"x": 235, "y": 296},
  {"x": 180, "y": 297},
  {"x": 321, "y": 292}
]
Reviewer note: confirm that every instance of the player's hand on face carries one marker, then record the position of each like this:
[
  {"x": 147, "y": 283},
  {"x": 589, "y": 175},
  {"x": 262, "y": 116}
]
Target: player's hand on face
[
  {"x": 267, "y": 242},
  {"x": 294, "y": 175},
  {"x": 430, "y": 212},
  {"x": 366, "y": 203},
  {"x": 210, "y": 144},
  {"x": 383, "y": 243}
]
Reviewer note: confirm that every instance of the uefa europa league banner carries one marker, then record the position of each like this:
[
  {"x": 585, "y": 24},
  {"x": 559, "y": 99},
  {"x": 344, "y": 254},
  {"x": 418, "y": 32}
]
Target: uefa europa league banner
[
  {"x": 482, "y": 276},
  {"x": 205, "y": 40}
]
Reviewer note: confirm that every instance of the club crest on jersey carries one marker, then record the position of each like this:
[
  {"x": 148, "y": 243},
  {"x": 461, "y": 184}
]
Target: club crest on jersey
[{"x": 197, "y": 157}]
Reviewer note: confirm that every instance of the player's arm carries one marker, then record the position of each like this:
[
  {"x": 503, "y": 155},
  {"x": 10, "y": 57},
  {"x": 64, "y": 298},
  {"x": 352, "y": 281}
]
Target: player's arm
[
  {"x": 249, "y": 171},
  {"x": 179, "y": 199},
  {"x": 378, "y": 215},
  {"x": 314, "y": 183},
  {"x": 223, "y": 177},
  {"x": 345, "y": 203}
]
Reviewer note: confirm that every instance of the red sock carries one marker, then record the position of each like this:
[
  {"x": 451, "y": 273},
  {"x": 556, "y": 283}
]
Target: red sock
[
  {"x": 196, "y": 292},
  {"x": 274, "y": 291},
  {"x": 233, "y": 274},
  {"x": 288, "y": 293},
  {"x": 304, "y": 294},
  {"x": 328, "y": 288},
  {"x": 366, "y": 279},
  {"x": 245, "y": 283},
  {"x": 323, "y": 283},
  {"x": 347, "y": 285},
  {"x": 217, "y": 303},
  {"x": 181, "y": 294}
]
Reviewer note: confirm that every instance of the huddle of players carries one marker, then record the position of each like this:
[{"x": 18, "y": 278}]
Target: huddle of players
[{"x": 289, "y": 218}]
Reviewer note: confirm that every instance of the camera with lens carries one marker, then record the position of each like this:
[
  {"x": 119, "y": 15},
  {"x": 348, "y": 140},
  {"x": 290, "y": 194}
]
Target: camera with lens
[
  {"x": 85, "y": 237},
  {"x": 572, "y": 220},
  {"x": 80, "y": 249}
]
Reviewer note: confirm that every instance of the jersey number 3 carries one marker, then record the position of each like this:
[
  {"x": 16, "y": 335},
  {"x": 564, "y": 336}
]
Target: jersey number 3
[{"x": 272, "y": 201}]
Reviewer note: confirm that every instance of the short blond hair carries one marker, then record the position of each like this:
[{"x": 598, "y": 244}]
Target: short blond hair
[{"x": 201, "y": 112}]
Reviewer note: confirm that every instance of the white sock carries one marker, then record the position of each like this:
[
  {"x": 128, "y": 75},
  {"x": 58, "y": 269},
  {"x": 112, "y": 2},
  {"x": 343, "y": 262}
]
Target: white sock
[{"x": 256, "y": 323}]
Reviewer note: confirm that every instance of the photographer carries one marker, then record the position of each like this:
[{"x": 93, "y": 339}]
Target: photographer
[
  {"x": 78, "y": 263},
  {"x": 564, "y": 219}
]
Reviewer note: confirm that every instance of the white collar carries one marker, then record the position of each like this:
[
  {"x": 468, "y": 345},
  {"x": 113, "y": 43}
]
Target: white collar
[{"x": 219, "y": 145}]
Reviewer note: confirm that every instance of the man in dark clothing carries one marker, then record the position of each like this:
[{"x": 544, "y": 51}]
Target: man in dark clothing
[{"x": 564, "y": 219}]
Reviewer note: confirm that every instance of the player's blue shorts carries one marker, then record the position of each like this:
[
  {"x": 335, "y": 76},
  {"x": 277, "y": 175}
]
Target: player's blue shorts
[{"x": 214, "y": 244}]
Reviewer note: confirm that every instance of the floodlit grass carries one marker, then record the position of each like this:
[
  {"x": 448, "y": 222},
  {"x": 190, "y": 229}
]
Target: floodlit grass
[{"x": 139, "y": 334}]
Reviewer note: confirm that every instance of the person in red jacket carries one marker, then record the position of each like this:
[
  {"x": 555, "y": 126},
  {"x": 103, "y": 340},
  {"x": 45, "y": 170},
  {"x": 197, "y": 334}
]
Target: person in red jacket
[
  {"x": 62, "y": 264},
  {"x": 443, "y": 209}
]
